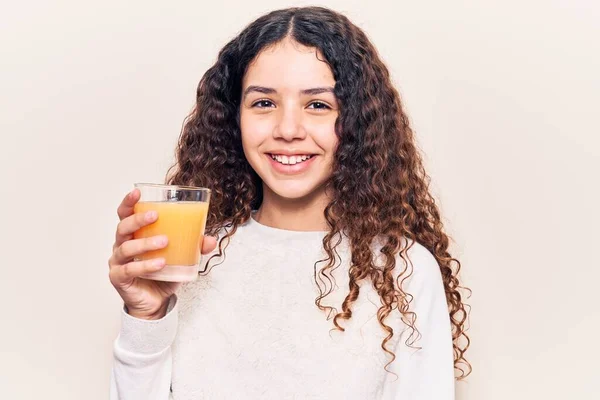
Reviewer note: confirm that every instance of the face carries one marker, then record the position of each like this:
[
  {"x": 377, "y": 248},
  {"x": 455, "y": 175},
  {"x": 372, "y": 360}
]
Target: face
[{"x": 287, "y": 120}]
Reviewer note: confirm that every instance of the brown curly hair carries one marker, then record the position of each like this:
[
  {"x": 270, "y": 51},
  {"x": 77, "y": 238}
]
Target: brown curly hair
[{"x": 378, "y": 184}]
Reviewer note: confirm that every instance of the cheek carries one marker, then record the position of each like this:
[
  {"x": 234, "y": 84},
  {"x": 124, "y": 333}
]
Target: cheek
[
  {"x": 255, "y": 129},
  {"x": 325, "y": 137}
]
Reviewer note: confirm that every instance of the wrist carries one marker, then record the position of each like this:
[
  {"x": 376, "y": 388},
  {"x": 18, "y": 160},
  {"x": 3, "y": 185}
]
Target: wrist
[{"x": 160, "y": 313}]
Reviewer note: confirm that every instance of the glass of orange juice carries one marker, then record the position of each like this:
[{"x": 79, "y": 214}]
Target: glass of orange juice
[{"x": 182, "y": 213}]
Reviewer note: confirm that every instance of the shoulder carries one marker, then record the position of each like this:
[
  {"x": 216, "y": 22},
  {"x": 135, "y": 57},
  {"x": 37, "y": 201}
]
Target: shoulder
[
  {"x": 416, "y": 266},
  {"x": 424, "y": 268},
  {"x": 424, "y": 262}
]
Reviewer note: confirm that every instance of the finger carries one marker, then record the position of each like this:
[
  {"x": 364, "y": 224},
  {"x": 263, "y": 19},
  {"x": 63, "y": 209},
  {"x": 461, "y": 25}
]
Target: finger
[
  {"x": 208, "y": 244},
  {"x": 126, "y": 207},
  {"x": 131, "y": 248},
  {"x": 123, "y": 274},
  {"x": 127, "y": 227}
]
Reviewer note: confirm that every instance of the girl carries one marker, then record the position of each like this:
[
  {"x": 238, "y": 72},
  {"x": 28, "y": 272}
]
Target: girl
[{"x": 332, "y": 277}]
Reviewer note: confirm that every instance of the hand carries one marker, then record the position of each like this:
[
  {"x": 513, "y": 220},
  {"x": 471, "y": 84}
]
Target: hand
[{"x": 146, "y": 299}]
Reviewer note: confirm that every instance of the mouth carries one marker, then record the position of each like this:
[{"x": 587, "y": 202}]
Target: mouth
[
  {"x": 291, "y": 164},
  {"x": 290, "y": 160}
]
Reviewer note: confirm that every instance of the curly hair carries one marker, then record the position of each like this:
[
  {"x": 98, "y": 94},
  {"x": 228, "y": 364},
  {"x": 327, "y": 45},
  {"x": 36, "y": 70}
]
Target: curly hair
[{"x": 379, "y": 187}]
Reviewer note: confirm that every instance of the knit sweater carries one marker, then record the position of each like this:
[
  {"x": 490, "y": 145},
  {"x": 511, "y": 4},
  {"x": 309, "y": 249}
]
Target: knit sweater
[{"x": 250, "y": 329}]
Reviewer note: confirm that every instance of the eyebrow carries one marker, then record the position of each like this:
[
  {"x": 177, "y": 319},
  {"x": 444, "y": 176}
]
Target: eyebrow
[{"x": 267, "y": 90}]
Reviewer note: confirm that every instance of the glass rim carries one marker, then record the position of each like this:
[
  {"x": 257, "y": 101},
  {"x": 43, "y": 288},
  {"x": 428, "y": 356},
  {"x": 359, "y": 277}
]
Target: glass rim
[{"x": 171, "y": 187}]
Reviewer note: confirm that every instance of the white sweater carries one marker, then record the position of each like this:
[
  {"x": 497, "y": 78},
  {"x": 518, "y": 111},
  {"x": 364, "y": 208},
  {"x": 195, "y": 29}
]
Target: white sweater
[{"x": 250, "y": 330}]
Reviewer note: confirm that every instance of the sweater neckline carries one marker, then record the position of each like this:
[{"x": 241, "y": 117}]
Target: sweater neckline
[{"x": 285, "y": 233}]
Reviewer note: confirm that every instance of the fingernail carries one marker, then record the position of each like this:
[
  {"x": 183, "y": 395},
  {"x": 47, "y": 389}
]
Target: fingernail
[
  {"x": 161, "y": 240},
  {"x": 159, "y": 262},
  {"x": 151, "y": 215}
]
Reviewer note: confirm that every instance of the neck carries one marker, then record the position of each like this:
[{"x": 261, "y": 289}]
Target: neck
[{"x": 304, "y": 214}]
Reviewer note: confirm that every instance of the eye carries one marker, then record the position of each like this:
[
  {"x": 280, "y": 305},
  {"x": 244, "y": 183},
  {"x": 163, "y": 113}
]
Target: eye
[
  {"x": 318, "y": 105},
  {"x": 263, "y": 104}
]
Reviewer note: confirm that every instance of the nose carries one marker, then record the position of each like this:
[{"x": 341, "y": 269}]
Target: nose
[{"x": 289, "y": 125}]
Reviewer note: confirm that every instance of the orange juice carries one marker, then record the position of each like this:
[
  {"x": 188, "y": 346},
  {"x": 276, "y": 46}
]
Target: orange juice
[{"x": 183, "y": 222}]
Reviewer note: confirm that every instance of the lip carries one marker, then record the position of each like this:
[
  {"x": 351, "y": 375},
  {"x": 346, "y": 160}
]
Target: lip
[
  {"x": 290, "y": 169},
  {"x": 290, "y": 152}
]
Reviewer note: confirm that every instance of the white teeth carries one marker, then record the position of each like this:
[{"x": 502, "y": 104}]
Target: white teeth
[{"x": 289, "y": 160}]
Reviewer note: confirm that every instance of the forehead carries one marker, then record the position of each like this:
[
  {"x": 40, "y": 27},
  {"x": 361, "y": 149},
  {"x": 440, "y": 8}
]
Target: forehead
[{"x": 289, "y": 64}]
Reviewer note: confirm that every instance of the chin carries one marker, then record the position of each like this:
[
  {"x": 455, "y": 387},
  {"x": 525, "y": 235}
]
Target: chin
[{"x": 293, "y": 190}]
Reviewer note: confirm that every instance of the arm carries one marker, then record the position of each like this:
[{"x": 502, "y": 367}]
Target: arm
[
  {"x": 142, "y": 357},
  {"x": 426, "y": 373}
]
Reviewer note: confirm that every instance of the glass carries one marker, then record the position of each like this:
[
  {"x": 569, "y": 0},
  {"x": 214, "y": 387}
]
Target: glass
[{"x": 182, "y": 213}]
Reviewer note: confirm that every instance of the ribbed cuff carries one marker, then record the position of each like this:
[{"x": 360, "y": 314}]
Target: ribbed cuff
[{"x": 148, "y": 336}]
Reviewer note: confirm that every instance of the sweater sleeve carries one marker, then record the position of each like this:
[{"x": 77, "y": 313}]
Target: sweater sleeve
[
  {"x": 142, "y": 360},
  {"x": 426, "y": 370}
]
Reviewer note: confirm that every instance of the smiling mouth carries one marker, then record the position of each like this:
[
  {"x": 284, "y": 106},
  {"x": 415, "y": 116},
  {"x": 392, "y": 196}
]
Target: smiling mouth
[{"x": 291, "y": 160}]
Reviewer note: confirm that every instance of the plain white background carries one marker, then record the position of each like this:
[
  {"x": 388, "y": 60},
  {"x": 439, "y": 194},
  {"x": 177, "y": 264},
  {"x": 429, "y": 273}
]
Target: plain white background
[{"x": 503, "y": 96}]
